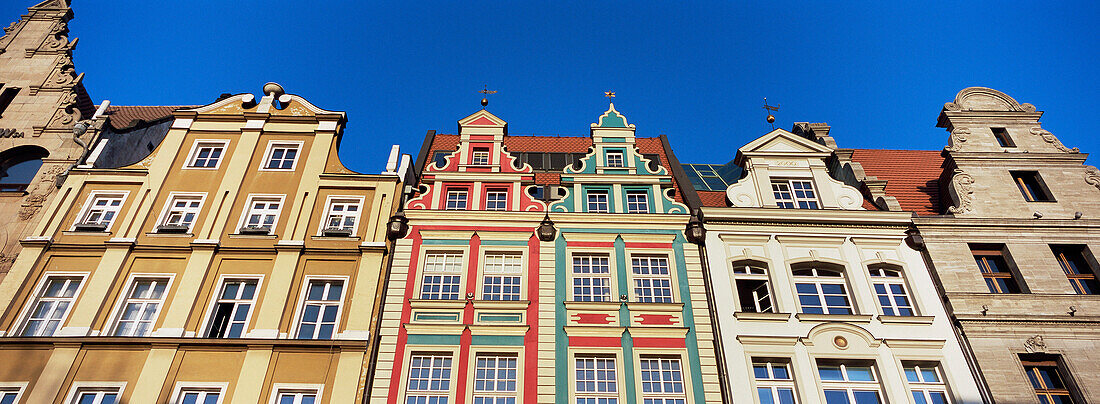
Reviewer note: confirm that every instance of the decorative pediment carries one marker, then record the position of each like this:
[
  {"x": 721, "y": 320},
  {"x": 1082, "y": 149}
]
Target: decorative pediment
[
  {"x": 781, "y": 141},
  {"x": 482, "y": 118},
  {"x": 612, "y": 119},
  {"x": 986, "y": 99}
]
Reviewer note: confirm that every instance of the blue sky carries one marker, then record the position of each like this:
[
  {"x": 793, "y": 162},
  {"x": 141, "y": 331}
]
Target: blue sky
[{"x": 878, "y": 73}]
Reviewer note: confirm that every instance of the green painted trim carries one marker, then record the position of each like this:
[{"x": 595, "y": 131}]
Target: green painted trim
[
  {"x": 691, "y": 340},
  {"x": 500, "y": 318},
  {"x": 615, "y": 171},
  {"x": 650, "y": 199},
  {"x": 436, "y": 316},
  {"x": 515, "y": 243},
  {"x": 499, "y": 340},
  {"x": 628, "y": 357},
  {"x": 561, "y": 341},
  {"x": 624, "y": 287},
  {"x": 620, "y": 231},
  {"x": 446, "y": 242},
  {"x": 420, "y": 339},
  {"x": 614, "y": 139},
  {"x": 585, "y": 189}
]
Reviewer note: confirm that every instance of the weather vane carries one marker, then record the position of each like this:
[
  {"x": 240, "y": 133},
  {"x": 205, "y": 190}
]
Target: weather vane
[
  {"x": 486, "y": 91},
  {"x": 609, "y": 94},
  {"x": 770, "y": 109}
]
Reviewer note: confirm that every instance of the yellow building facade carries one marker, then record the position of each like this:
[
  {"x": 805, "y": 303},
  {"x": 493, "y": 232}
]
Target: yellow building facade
[{"x": 239, "y": 262}]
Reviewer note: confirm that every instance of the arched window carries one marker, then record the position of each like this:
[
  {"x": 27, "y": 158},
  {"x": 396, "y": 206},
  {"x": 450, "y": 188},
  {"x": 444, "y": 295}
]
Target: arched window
[
  {"x": 753, "y": 293},
  {"x": 889, "y": 284},
  {"x": 18, "y": 166},
  {"x": 821, "y": 288}
]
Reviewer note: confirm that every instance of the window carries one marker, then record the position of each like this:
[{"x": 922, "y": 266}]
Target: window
[
  {"x": 596, "y": 380},
  {"x": 1047, "y": 378},
  {"x": 926, "y": 383},
  {"x": 751, "y": 278},
  {"x": 1031, "y": 186},
  {"x": 206, "y": 155},
  {"x": 793, "y": 194},
  {"x": 1080, "y": 273},
  {"x": 774, "y": 384},
  {"x": 6, "y": 97},
  {"x": 456, "y": 199},
  {"x": 1001, "y": 134},
  {"x": 480, "y": 156},
  {"x": 321, "y": 310},
  {"x": 849, "y": 383},
  {"x": 502, "y": 276},
  {"x": 429, "y": 379},
  {"x": 100, "y": 211},
  {"x": 890, "y": 288},
  {"x": 262, "y": 214},
  {"x": 495, "y": 379},
  {"x": 281, "y": 156},
  {"x": 296, "y": 396},
  {"x": 662, "y": 381},
  {"x": 342, "y": 217},
  {"x": 96, "y": 395},
  {"x": 652, "y": 279},
  {"x": 591, "y": 278},
  {"x": 496, "y": 199},
  {"x": 180, "y": 213},
  {"x": 195, "y": 395},
  {"x": 597, "y": 202},
  {"x": 18, "y": 167},
  {"x": 442, "y": 276},
  {"x": 232, "y": 308},
  {"x": 140, "y": 309},
  {"x": 637, "y": 202},
  {"x": 615, "y": 159},
  {"x": 11, "y": 392},
  {"x": 821, "y": 290},
  {"x": 55, "y": 298},
  {"x": 998, "y": 277}
]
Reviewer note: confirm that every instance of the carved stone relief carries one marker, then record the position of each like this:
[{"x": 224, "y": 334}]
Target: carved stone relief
[
  {"x": 1035, "y": 344},
  {"x": 1049, "y": 138},
  {"x": 957, "y": 138},
  {"x": 962, "y": 186},
  {"x": 1092, "y": 177},
  {"x": 40, "y": 192}
]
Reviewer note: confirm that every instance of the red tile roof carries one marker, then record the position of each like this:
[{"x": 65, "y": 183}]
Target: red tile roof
[
  {"x": 547, "y": 178},
  {"x": 125, "y": 117},
  {"x": 912, "y": 176},
  {"x": 715, "y": 199}
]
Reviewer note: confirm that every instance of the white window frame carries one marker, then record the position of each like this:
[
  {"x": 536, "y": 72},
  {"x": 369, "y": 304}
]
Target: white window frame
[
  {"x": 119, "y": 388},
  {"x": 495, "y": 394},
  {"x": 120, "y": 306},
  {"x": 198, "y": 144},
  {"x": 795, "y": 201},
  {"x": 606, "y": 201},
  {"x": 924, "y": 387},
  {"x": 511, "y": 265},
  {"x": 850, "y": 386},
  {"x": 749, "y": 275},
  {"x": 594, "y": 357},
  {"x": 168, "y": 207},
  {"x": 818, "y": 281},
  {"x": 621, "y": 156},
  {"x": 247, "y": 211},
  {"x": 222, "y": 279},
  {"x": 653, "y": 279},
  {"x": 300, "y": 312},
  {"x": 344, "y": 200},
  {"x": 663, "y": 396},
  {"x": 286, "y": 144},
  {"x": 772, "y": 383},
  {"x": 643, "y": 202},
  {"x": 496, "y": 191},
  {"x": 574, "y": 275},
  {"x": 450, "y": 257},
  {"x": 476, "y": 154},
  {"x": 278, "y": 389},
  {"x": 887, "y": 281},
  {"x": 429, "y": 393},
  {"x": 88, "y": 205},
  {"x": 187, "y": 387},
  {"x": 39, "y": 288},
  {"x": 17, "y": 388},
  {"x": 457, "y": 192}
]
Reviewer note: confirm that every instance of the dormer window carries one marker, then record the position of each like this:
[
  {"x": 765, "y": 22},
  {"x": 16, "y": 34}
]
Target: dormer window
[
  {"x": 794, "y": 194},
  {"x": 615, "y": 159},
  {"x": 480, "y": 156}
]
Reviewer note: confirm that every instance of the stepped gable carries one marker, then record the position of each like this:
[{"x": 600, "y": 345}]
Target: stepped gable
[{"x": 912, "y": 176}]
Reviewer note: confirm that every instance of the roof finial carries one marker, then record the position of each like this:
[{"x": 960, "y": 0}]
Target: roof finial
[
  {"x": 485, "y": 100},
  {"x": 609, "y": 95},
  {"x": 770, "y": 109}
]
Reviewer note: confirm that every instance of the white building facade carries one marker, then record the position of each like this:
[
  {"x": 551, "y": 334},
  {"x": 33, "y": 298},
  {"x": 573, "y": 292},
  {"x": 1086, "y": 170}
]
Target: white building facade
[{"x": 819, "y": 299}]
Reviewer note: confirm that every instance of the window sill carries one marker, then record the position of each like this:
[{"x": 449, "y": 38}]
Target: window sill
[
  {"x": 335, "y": 238},
  {"x": 254, "y": 236},
  {"x": 926, "y": 320},
  {"x": 85, "y": 233},
  {"x": 502, "y": 304},
  {"x": 752, "y": 316},
  {"x": 848, "y": 318},
  {"x": 436, "y": 304},
  {"x": 574, "y": 305},
  {"x": 175, "y": 235},
  {"x": 639, "y": 306}
]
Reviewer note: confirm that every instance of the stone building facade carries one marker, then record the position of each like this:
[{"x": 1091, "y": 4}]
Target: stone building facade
[
  {"x": 41, "y": 98},
  {"x": 237, "y": 262}
]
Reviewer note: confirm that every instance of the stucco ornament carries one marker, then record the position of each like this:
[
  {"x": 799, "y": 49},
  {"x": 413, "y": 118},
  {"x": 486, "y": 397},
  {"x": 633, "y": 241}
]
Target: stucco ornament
[
  {"x": 41, "y": 191},
  {"x": 962, "y": 187},
  {"x": 1092, "y": 177},
  {"x": 742, "y": 194},
  {"x": 1035, "y": 344},
  {"x": 957, "y": 138},
  {"x": 1049, "y": 138}
]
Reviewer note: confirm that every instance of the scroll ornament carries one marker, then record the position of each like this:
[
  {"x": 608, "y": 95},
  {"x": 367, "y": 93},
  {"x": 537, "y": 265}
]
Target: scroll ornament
[
  {"x": 963, "y": 185},
  {"x": 1092, "y": 177},
  {"x": 1049, "y": 138},
  {"x": 957, "y": 138}
]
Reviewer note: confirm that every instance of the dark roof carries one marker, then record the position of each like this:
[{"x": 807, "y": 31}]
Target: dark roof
[
  {"x": 712, "y": 177},
  {"x": 122, "y": 117},
  {"x": 912, "y": 176}
]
